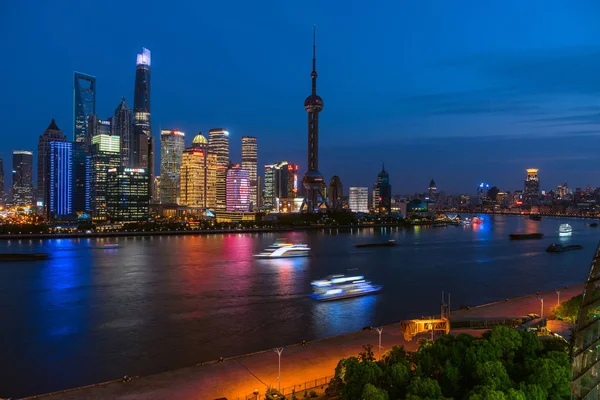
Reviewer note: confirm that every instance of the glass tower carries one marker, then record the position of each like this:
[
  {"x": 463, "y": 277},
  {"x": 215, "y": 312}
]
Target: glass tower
[
  {"x": 238, "y": 189},
  {"x": 249, "y": 163},
  {"x": 106, "y": 154},
  {"x": 336, "y": 191},
  {"x": 123, "y": 128},
  {"x": 586, "y": 350},
  {"x": 22, "y": 178},
  {"x": 84, "y": 102},
  {"x": 51, "y": 134},
  {"x": 60, "y": 171},
  {"x": 532, "y": 186},
  {"x": 171, "y": 152},
  {"x": 141, "y": 109},
  {"x": 81, "y": 179},
  {"x": 218, "y": 143},
  {"x": 127, "y": 195}
]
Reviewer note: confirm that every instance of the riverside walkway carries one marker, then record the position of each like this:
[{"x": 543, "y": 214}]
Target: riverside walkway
[{"x": 237, "y": 377}]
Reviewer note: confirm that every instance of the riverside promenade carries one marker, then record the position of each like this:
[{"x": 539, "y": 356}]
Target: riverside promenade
[{"x": 237, "y": 377}]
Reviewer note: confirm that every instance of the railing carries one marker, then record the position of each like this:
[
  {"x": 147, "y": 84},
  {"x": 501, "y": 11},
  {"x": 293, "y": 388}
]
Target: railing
[{"x": 315, "y": 383}]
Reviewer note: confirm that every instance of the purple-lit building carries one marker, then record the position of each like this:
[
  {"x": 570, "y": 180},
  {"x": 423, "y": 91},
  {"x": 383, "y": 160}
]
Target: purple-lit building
[{"x": 238, "y": 189}]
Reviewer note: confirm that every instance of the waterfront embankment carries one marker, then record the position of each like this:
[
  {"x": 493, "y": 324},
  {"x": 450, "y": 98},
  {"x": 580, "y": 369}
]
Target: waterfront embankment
[{"x": 237, "y": 377}]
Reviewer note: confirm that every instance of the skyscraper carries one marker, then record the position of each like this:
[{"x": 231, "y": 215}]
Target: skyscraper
[
  {"x": 60, "y": 182},
  {"x": 218, "y": 143},
  {"x": 81, "y": 179},
  {"x": 313, "y": 180},
  {"x": 22, "y": 178},
  {"x": 336, "y": 192},
  {"x": 238, "y": 189},
  {"x": 198, "y": 175},
  {"x": 384, "y": 192},
  {"x": 84, "y": 102},
  {"x": 123, "y": 128},
  {"x": 432, "y": 191},
  {"x": 281, "y": 182},
  {"x": 249, "y": 163},
  {"x": 172, "y": 143},
  {"x": 532, "y": 186},
  {"x": 51, "y": 134},
  {"x": 143, "y": 144},
  {"x": 105, "y": 155},
  {"x": 358, "y": 199},
  {"x": 127, "y": 194}
]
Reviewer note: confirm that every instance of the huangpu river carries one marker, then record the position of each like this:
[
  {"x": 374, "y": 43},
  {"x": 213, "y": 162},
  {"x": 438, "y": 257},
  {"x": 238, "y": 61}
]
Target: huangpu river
[{"x": 90, "y": 314}]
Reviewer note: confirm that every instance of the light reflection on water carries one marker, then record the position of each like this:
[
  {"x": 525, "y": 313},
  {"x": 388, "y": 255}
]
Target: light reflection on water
[{"x": 91, "y": 314}]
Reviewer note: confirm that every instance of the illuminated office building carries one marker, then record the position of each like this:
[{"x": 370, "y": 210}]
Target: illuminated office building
[
  {"x": 382, "y": 194},
  {"x": 336, "y": 192},
  {"x": 105, "y": 155},
  {"x": 127, "y": 194},
  {"x": 22, "y": 178},
  {"x": 197, "y": 186},
  {"x": 81, "y": 179},
  {"x": 482, "y": 193},
  {"x": 51, "y": 134},
  {"x": 84, "y": 102},
  {"x": 123, "y": 128},
  {"x": 249, "y": 163},
  {"x": 432, "y": 191},
  {"x": 532, "y": 193},
  {"x": 358, "y": 199},
  {"x": 218, "y": 143},
  {"x": 141, "y": 112},
  {"x": 281, "y": 182},
  {"x": 98, "y": 126},
  {"x": 60, "y": 182},
  {"x": 238, "y": 189},
  {"x": 172, "y": 144}
]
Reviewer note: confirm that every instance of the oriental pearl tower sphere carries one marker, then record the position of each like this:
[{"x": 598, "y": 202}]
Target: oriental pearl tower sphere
[{"x": 313, "y": 180}]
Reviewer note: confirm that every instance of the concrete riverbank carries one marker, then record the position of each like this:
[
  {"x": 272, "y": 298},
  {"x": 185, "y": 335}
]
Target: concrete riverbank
[{"x": 237, "y": 377}]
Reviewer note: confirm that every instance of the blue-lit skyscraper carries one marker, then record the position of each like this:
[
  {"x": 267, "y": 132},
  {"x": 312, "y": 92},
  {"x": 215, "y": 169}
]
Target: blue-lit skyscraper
[
  {"x": 81, "y": 179},
  {"x": 60, "y": 178},
  {"x": 51, "y": 134},
  {"x": 84, "y": 102}
]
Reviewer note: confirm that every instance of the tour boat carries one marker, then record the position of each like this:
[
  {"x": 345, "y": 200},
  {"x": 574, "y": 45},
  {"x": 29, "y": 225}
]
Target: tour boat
[
  {"x": 559, "y": 248},
  {"x": 337, "y": 287},
  {"x": 111, "y": 245},
  {"x": 535, "y": 217},
  {"x": 525, "y": 236},
  {"x": 594, "y": 225},
  {"x": 284, "y": 250},
  {"x": 564, "y": 230},
  {"x": 389, "y": 243}
]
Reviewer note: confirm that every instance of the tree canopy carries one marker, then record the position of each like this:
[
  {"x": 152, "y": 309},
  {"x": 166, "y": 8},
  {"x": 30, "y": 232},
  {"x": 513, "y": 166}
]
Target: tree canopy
[{"x": 503, "y": 364}]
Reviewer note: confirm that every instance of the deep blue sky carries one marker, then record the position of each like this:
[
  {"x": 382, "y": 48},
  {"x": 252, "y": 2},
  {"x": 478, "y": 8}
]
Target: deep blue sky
[{"x": 461, "y": 91}]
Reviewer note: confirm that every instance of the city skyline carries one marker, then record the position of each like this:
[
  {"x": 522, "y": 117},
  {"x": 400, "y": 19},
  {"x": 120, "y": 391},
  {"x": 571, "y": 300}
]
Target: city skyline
[{"x": 427, "y": 106}]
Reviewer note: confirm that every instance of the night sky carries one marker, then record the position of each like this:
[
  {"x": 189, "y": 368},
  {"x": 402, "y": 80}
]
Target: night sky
[{"x": 458, "y": 91}]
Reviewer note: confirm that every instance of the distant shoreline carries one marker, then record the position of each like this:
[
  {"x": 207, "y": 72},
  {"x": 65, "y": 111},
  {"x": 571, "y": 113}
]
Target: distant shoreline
[{"x": 21, "y": 236}]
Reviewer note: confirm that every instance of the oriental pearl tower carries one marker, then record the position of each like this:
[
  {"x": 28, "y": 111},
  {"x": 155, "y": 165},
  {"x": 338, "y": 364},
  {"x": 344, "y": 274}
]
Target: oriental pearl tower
[{"x": 313, "y": 180}]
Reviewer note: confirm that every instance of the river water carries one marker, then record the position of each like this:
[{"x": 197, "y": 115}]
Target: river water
[{"x": 89, "y": 314}]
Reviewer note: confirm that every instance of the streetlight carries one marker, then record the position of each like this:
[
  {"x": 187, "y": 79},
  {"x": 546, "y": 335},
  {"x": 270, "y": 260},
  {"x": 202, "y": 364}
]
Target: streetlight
[
  {"x": 279, "y": 350},
  {"x": 558, "y": 300},
  {"x": 379, "y": 330},
  {"x": 541, "y": 299}
]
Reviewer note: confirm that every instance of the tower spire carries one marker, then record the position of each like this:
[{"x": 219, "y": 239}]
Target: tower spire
[{"x": 313, "y": 75}]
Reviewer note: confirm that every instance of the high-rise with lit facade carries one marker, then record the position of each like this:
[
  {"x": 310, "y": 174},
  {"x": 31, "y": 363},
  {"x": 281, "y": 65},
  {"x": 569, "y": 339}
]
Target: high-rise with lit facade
[
  {"x": 60, "y": 179},
  {"x": 172, "y": 144},
  {"x": 143, "y": 146},
  {"x": 198, "y": 175},
  {"x": 84, "y": 102},
  {"x": 218, "y": 143},
  {"x": 358, "y": 199},
  {"x": 127, "y": 194},
  {"x": 22, "y": 178},
  {"x": 81, "y": 179},
  {"x": 532, "y": 192},
  {"x": 238, "y": 189},
  {"x": 105, "y": 155},
  {"x": 123, "y": 128},
  {"x": 249, "y": 163},
  {"x": 51, "y": 134},
  {"x": 313, "y": 180},
  {"x": 2, "y": 198},
  {"x": 482, "y": 193},
  {"x": 336, "y": 192},
  {"x": 281, "y": 182},
  {"x": 432, "y": 191},
  {"x": 383, "y": 192}
]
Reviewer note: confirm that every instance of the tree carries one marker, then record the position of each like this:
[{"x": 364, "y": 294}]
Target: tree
[
  {"x": 357, "y": 375},
  {"x": 424, "y": 387},
  {"x": 552, "y": 374},
  {"x": 567, "y": 310},
  {"x": 367, "y": 354},
  {"x": 371, "y": 392}
]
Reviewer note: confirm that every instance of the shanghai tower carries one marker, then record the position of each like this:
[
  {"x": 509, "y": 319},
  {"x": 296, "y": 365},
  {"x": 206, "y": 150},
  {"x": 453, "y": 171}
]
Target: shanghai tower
[
  {"x": 141, "y": 112},
  {"x": 313, "y": 180}
]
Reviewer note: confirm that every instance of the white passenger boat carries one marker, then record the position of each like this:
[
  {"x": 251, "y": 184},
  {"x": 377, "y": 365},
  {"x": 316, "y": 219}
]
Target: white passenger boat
[
  {"x": 284, "y": 250},
  {"x": 336, "y": 287},
  {"x": 565, "y": 230}
]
